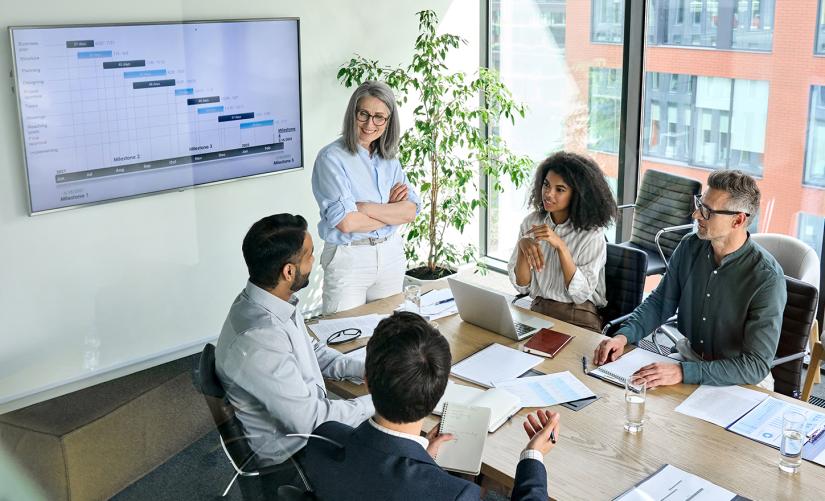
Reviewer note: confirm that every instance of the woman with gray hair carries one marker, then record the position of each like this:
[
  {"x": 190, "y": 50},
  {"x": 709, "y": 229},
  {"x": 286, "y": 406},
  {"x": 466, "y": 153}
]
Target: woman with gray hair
[{"x": 363, "y": 196}]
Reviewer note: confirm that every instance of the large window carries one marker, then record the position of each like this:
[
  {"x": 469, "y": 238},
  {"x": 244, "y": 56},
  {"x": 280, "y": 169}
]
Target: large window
[
  {"x": 815, "y": 157},
  {"x": 717, "y": 94},
  {"x": 720, "y": 24},
  {"x": 530, "y": 44}
]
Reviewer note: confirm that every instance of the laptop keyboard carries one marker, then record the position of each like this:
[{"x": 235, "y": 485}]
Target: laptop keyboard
[{"x": 523, "y": 329}]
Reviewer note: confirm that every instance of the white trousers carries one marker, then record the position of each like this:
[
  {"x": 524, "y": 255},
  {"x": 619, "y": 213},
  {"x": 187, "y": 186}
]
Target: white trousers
[{"x": 357, "y": 274}]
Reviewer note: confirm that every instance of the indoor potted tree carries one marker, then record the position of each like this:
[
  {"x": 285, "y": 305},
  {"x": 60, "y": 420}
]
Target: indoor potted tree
[{"x": 447, "y": 145}]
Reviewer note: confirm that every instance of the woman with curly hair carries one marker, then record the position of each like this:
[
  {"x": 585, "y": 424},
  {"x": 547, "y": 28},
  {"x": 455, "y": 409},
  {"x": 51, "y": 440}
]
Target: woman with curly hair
[{"x": 561, "y": 252}]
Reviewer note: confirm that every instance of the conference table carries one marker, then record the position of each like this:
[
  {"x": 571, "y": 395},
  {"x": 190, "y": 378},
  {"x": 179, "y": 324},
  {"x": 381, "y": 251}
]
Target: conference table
[{"x": 594, "y": 457}]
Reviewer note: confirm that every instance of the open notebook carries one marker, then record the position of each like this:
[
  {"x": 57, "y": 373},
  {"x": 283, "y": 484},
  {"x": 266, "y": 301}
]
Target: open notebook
[
  {"x": 468, "y": 425},
  {"x": 617, "y": 372},
  {"x": 502, "y": 403}
]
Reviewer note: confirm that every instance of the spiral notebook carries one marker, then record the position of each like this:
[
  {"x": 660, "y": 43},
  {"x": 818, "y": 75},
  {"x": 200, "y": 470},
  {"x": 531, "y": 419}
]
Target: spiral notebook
[
  {"x": 617, "y": 372},
  {"x": 468, "y": 425}
]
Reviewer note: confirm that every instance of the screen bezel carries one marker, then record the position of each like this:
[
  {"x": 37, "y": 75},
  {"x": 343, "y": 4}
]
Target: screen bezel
[{"x": 14, "y": 75}]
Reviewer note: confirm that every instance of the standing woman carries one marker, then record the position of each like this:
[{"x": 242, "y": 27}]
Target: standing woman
[
  {"x": 561, "y": 252},
  {"x": 363, "y": 196}
]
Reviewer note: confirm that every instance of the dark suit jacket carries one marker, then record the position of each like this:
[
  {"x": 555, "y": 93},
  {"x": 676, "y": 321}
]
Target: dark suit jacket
[{"x": 375, "y": 465}]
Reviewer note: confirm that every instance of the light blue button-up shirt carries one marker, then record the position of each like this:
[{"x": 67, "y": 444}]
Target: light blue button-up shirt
[{"x": 340, "y": 179}]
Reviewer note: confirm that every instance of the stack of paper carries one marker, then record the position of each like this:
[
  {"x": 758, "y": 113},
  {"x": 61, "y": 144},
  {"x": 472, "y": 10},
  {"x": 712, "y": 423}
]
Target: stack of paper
[
  {"x": 550, "y": 389},
  {"x": 435, "y": 304},
  {"x": 326, "y": 328},
  {"x": 720, "y": 405}
]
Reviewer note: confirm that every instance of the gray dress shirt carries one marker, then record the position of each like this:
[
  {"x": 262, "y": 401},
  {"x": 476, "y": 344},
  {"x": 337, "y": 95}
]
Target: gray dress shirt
[
  {"x": 589, "y": 251},
  {"x": 273, "y": 373},
  {"x": 731, "y": 313}
]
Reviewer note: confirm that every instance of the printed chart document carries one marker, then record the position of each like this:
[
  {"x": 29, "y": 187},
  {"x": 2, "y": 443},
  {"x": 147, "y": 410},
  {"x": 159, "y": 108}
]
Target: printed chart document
[
  {"x": 495, "y": 363},
  {"x": 435, "y": 304},
  {"x": 502, "y": 404},
  {"x": 549, "y": 389},
  {"x": 326, "y": 328},
  {"x": 616, "y": 372},
  {"x": 720, "y": 405},
  {"x": 764, "y": 424},
  {"x": 672, "y": 483},
  {"x": 468, "y": 425}
]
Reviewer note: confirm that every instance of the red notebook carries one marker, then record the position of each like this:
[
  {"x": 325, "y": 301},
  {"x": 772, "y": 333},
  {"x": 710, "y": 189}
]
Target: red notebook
[{"x": 547, "y": 343}]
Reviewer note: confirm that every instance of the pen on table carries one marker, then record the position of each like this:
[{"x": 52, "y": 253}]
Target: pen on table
[
  {"x": 443, "y": 301},
  {"x": 584, "y": 365}
]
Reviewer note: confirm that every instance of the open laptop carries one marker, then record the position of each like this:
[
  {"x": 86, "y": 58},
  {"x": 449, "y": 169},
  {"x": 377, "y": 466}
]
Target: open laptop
[{"x": 492, "y": 311}]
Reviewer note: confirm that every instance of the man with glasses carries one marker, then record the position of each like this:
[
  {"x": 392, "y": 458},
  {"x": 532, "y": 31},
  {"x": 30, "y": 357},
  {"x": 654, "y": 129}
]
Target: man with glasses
[
  {"x": 272, "y": 370},
  {"x": 728, "y": 293}
]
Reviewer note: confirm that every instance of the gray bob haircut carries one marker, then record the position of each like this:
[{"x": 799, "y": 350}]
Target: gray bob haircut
[
  {"x": 387, "y": 144},
  {"x": 740, "y": 187}
]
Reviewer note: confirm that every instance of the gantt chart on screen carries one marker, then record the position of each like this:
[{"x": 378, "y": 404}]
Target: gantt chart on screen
[{"x": 115, "y": 111}]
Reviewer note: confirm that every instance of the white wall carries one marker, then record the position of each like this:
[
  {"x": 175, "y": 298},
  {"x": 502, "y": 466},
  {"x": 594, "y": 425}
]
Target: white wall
[{"x": 83, "y": 292}]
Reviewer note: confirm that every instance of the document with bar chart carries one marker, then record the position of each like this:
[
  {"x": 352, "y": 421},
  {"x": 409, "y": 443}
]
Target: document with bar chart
[{"x": 109, "y": 112}]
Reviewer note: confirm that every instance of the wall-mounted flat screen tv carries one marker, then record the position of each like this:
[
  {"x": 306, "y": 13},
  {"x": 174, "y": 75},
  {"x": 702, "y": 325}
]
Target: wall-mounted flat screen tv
[{"x": 116, "y": 111}]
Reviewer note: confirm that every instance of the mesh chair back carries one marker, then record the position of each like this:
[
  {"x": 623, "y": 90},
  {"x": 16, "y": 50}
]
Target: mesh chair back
[
  {"x": 206, "y": 381},
  {"x": 664, "y": 200},
  {"x": 624, "y": 275},
  {"x": 796, "y": 327}
]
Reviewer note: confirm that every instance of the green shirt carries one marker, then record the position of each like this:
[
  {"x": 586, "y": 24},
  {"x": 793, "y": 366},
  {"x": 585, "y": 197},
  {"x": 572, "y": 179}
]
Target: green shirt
[{"x": 732, "y": 314}]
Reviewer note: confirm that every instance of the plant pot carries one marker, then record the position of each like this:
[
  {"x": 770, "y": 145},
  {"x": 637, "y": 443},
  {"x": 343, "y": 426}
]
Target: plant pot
[{"x": 434, "y": 282}]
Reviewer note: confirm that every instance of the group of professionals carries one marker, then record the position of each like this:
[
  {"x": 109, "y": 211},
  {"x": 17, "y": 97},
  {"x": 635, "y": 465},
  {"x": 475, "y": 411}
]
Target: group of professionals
[{"x": 729, "y": 294}]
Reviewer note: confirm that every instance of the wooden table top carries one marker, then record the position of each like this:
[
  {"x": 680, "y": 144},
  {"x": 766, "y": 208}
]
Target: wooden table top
[{"x": 595, "y": 458}]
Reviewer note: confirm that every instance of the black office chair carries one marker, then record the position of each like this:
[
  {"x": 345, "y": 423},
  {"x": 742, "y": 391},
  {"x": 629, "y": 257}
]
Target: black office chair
[
  {"x": 797, "y": 320},
  {"x": 662, "y": 212},
  {"x": 624, "y": 275},
  {"x": 254, "y": 480}
]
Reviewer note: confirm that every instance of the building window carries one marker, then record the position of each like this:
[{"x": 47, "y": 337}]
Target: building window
[
  {"x": 809, "y": 230},
  {"x": 605, "y": 109},
  {"x": 607, "y": 21},
  {"x": 820, "y": 30},
  {"x": 721, "y": 24},
  {"x": 815, "y": 148},
  {"x": 710, "y": 122}
]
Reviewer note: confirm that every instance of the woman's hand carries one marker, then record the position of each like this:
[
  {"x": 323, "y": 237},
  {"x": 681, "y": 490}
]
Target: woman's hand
[
  {"x": 398, "y": 193},
  {"x": 530, "y": 249},
  {"x": 543, "y": 232}
]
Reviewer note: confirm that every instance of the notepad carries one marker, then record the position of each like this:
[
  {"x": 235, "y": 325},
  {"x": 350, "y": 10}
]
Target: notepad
[
  {"x": 617, "y": 372},
  {"x": 468, "y": 425},
  {"x": 495, "y": 363},
  {"x": 502, "y": 403}
]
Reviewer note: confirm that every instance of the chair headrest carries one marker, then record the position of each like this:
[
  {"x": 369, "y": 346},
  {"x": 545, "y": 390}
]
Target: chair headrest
[{"x": 204, "y": 376}]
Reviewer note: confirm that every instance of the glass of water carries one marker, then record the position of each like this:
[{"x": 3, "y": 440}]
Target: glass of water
[
  {"x": 793, "y": 436},
  {"x": 634, "y": 400},
  {"x": 412, "y": 298}
]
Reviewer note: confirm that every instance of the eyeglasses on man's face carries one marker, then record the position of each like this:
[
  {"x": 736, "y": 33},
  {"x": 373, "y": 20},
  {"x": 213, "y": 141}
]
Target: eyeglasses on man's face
[
  {"x": 706, "y": 212},
  {"x": 343, "y": 336},
  {"x": 364, "y": 116}
]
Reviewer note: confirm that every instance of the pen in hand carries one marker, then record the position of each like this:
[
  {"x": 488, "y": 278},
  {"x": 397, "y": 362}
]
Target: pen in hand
[{"x": 553, "y": 437}]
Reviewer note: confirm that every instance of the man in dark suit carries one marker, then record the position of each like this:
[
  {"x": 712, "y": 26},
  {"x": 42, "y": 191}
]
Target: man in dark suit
[{"x": 408, "y": 364}]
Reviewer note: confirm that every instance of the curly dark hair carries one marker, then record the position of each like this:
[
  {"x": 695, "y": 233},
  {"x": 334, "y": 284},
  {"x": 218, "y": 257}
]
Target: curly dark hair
[{"x": 592, "y": 204}]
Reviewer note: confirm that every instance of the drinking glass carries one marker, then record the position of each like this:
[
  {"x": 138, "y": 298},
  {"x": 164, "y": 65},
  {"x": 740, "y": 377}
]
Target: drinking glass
[
  {"x": 634, "y": 398},
  {"x": 793, "y": 436},
  {"x": 412, "y": 298}
]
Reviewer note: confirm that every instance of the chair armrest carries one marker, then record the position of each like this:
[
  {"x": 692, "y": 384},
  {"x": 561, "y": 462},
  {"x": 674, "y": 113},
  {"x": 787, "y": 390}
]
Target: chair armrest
[
  {"x": 668, "y": 229},
  {"x": 612, "y": 326},
  {"x": 786, "y": 359}
]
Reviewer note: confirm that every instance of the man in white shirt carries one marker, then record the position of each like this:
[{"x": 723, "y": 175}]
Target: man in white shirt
[{"x": 272, "y": 370}]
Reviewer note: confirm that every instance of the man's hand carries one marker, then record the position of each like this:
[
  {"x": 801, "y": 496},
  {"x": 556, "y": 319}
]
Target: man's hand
[
  {"x": 398, "y": 193},
  {"x": 658, "y": 374},
  {"x": 609, "y": 350},
  {"x": 436, "y": 440},
  {"x": 529, "y": 248},
  {"x": 539, "y": 428}
]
